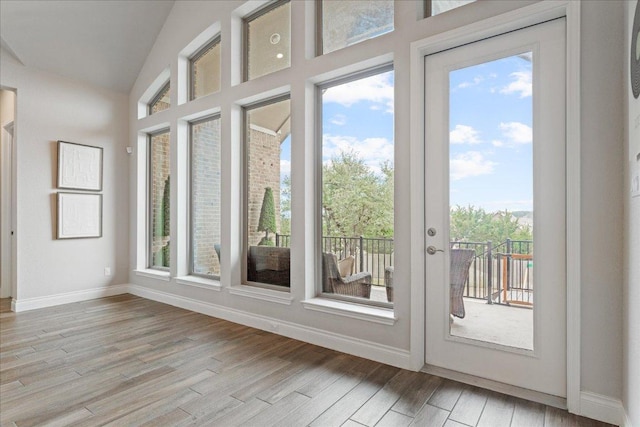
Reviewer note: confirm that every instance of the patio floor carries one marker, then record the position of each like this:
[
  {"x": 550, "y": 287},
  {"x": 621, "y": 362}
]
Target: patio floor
[{"x": 500, "y": 324}]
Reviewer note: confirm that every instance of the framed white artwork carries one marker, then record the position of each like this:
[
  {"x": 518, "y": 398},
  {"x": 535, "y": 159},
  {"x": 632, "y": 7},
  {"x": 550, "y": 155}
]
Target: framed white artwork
[
  {"x": 79, "y": 166},
  {"x": 79, "y": 215}
]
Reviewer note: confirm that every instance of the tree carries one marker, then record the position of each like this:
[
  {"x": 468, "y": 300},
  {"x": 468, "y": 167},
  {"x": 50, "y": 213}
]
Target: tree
[
  {"x": 355, "y": 200},
  {"x": 267, "y": 221},
  {"x": 285, "y": 205},
  {"x": 471, "y": 224}
]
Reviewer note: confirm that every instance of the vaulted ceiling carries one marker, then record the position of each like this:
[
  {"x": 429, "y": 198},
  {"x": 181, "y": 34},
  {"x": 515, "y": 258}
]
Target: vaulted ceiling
[{"x": 101, "y": 42}]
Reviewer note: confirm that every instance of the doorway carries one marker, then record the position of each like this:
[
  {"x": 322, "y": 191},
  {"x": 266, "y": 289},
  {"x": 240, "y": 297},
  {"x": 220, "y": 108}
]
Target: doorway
[{"x": 495, "y": 192}]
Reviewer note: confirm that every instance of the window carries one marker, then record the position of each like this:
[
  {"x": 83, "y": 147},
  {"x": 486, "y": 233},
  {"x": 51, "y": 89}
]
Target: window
[
  {"x": 267, "y": 193},
  {"x": 205, "y": 70},
  {"x": 268, "y": 40},
  {"x": 347, "y": 22},
  {"x": 205, "y": 197},
  {"x": 436, "y": 7},
  {"x": 357, "y": 206},
  {"x": 161, "y": 101},
  {"x": 159, "y": 200}
]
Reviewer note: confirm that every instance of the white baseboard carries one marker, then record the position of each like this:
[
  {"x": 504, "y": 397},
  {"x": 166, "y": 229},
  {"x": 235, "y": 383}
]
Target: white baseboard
[
  {"x": 19, "y": 305},
  {"x": 626, "y": 422},
  {"x": 345, "y": 344},
  {"x": 603, "y": 408}
]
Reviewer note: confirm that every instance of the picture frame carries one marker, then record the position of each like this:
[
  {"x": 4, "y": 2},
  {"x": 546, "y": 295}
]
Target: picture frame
[
  {"x": 79, "y": 215},
  {"x": 79, "y": 166}
]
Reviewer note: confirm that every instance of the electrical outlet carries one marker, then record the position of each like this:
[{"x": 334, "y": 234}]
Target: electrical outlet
[{"x": 107, "y": 271}]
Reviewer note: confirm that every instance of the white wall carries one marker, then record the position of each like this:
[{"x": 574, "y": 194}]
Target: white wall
[
  {"x": 631, "y": 289},
  {"x": 52, "y": 108},
  {"x": 602, "y": 181},
  {"x": 7, "y": 106}
]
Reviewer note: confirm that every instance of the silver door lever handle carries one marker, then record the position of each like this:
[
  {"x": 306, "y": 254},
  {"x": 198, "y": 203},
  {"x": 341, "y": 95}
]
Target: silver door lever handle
[{"x": 431, "y": 250}]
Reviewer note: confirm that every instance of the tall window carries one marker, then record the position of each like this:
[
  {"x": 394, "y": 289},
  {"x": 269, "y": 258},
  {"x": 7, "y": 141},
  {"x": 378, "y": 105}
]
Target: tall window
[
  {"x": 205, "y": 197},
  {"x": 268, "y": 40},
  {"x": 161, "y": 101},
  {"x": 357, "y": 209},
  {"x": 159, "y": 200},
  {"x": 347, "y": 22},
  {"x": 267, "y": 193},
  {"x": 205, "y": 70}
]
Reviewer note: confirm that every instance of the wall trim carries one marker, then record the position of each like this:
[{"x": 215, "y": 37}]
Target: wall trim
[
  {"x": 18, "y": 305},
  {"x": 626, "y": 421},
  {"x": 345, "y": 344},
  {"x": 603, "y": 408}
]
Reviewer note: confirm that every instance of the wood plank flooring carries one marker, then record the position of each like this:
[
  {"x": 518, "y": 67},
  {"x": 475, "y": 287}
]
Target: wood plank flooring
[{"x": 127, "y": 361}]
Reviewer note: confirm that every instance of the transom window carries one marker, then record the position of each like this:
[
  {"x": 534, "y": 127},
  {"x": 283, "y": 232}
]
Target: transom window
[
  {"x": 347, "y": 22},
  {"x": 162, "y": 101},
  {"x": 268, "y": 40},
  {"x": 205, "y": 70}
]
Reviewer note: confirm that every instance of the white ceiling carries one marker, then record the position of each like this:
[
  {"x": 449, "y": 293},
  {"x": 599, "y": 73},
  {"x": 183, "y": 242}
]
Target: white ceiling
[{"x": 102, "y": 42}]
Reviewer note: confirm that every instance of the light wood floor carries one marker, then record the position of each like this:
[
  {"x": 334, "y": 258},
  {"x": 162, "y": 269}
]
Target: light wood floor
[{"x": 128, "y": 361}]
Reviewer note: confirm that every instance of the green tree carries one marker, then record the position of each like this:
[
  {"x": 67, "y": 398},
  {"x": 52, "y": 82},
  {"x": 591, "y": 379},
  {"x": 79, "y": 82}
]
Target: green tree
[
  {"x": 471, "y": 224},
  {"x": 285, "y": 205},
  {"x": 355, "y": 200},
  {"x": 267, "y": 221}
]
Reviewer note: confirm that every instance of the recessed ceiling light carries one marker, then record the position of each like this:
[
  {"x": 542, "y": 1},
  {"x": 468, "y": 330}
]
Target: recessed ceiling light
[
  {"x": 279, "y": 56},
  {"x": 275, "y": 38}
]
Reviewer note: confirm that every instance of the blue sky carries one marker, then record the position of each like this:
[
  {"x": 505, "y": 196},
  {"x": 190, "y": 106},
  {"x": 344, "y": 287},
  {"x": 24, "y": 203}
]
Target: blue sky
[
  {"x": 490, "y": 131},
  {"x": 490, "y": 124}
]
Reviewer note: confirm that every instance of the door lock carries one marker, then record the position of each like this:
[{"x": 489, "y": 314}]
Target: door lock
[
  {"x": 431, "y": 250},
  {"x": 431, "y": 232}
]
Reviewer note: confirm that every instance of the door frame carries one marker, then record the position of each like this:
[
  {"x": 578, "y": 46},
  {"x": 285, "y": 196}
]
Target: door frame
[{"x": 511, "y": 21}]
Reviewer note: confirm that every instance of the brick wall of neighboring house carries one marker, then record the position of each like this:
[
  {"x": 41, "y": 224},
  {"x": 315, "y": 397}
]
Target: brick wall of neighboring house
[
  {"x": 264, "y": 171},
  {"x": 160, "y": 167},
  {"x": 205, "y": 190}
]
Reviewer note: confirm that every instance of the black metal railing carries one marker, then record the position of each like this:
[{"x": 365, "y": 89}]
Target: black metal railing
[{"x": 501, "y": 273}]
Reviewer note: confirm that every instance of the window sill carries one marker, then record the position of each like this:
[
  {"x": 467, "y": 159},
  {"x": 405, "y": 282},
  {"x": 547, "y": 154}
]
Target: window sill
[
  {"x": 384, "y": 316},
  {"x": 154, "y": 274},
  {"x": 278, "y": 297},
  {"x": 199, "y": 282}
]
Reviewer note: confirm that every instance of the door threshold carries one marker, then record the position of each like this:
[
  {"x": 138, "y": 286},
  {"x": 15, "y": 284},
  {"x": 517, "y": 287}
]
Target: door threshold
[{"x": 511, "y": 390}]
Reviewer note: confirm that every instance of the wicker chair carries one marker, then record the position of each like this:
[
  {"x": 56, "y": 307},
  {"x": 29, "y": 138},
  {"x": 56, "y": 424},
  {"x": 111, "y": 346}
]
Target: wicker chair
[
  {"x": 357, "y": 285},
  {"x": 461, "y": 260}
]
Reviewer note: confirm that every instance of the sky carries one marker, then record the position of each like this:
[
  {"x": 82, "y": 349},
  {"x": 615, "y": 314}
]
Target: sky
[{"x": 490, "y": 131}]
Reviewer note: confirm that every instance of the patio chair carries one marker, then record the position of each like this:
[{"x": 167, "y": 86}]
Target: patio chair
[
  {"x": 461, "y": 260},
  {"x": 357, "y": 285}
]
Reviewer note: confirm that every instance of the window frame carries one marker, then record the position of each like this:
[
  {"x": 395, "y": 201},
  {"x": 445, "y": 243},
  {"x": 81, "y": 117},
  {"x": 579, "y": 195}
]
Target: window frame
[
  {"x": 157, "y": 97},
  {"x": 319, "y": 89},
  {"x": 190, "y": 209},
  {"x": 245, "y": 34},
  {"x": 149, "y": 197},
  {"x": 193, "y": 58},
  {"x": 245, "y": 190}
]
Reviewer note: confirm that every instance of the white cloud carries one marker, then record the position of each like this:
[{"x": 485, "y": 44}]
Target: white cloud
[
  {"x": 476, "y": 81},
  {"x": 516, "y": 132},
  {"x": 521, "y": 84},
  {"x": 373, "y": 151},
  {"x": 497, "y": 143},
  {"x": 463, "y": 134},
  {"x": 471, "y": 163},
  {"x": 377, "y": 89},
  {"x": 339, "y": 120},
  {"x": 285, "y": 167}
]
